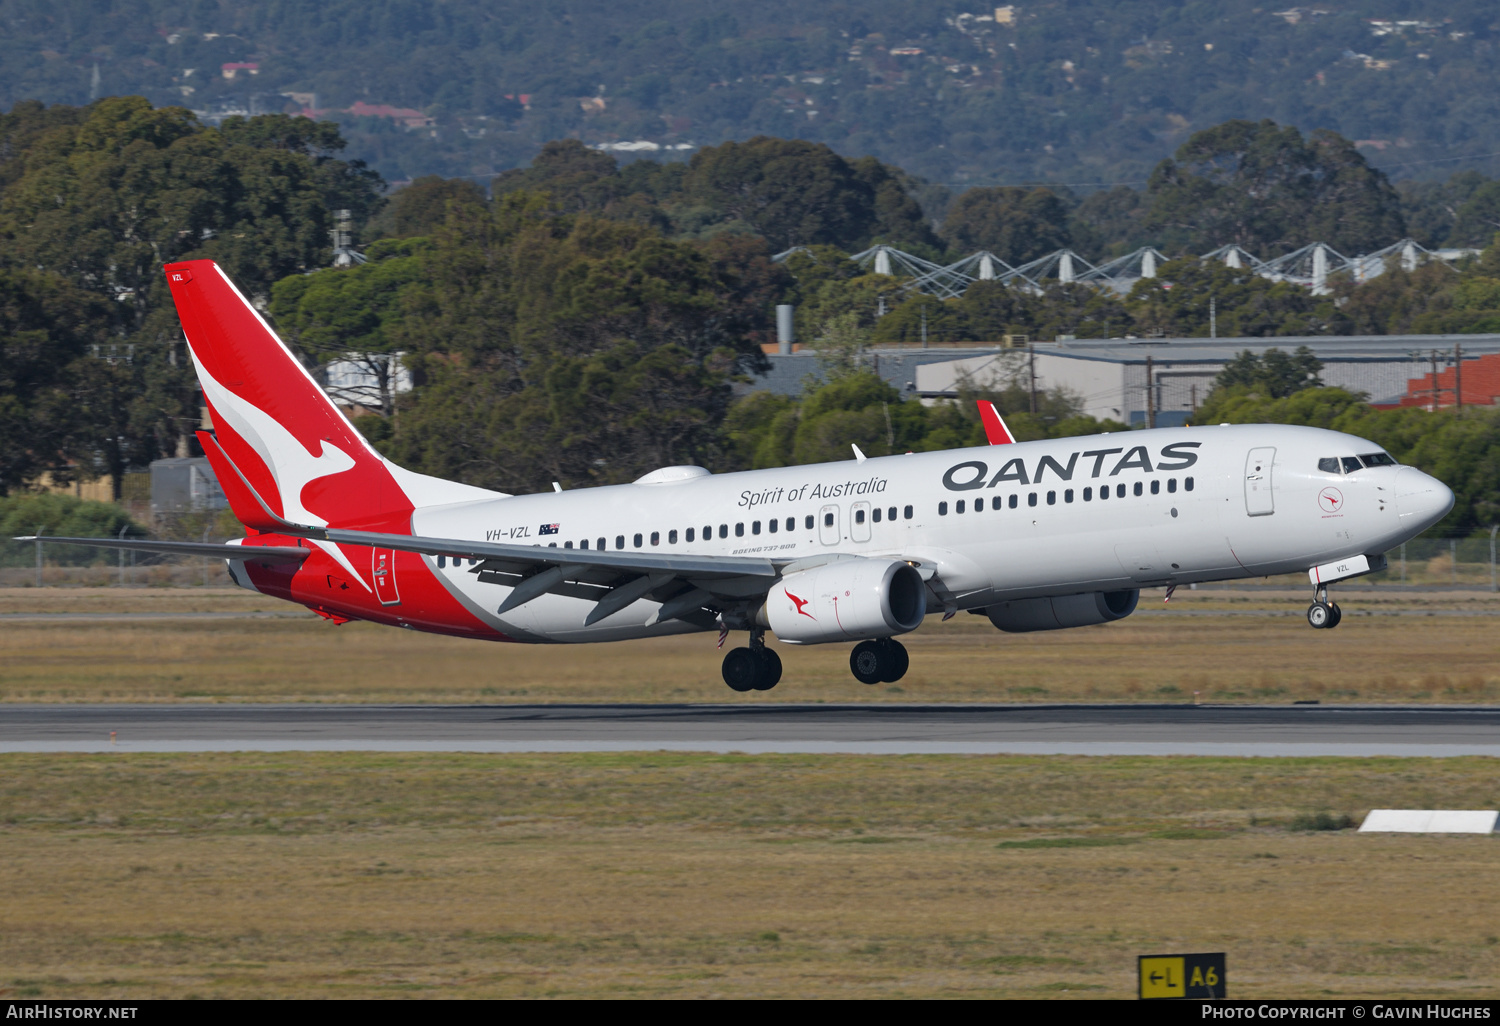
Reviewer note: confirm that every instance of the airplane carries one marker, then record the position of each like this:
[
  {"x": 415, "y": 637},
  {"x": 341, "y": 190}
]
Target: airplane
[{"x": 1039, "y": 535}]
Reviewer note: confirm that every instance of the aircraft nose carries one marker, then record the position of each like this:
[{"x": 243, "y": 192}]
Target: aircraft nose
[{"x": 1421, "y": 500}]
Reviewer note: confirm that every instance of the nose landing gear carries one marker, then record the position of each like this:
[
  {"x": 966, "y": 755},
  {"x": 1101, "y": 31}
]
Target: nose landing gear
[
  {"x": 879, "y": 662},
  {"x": 756, "y": 668},
  {"x": 1322, "y": 614}
]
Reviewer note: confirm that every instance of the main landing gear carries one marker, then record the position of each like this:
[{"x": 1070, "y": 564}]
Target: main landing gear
[
  {"x": 756, "y": 668},
  {"x": 879, "y": 662},
  {"x": 1322, "y": 614}
]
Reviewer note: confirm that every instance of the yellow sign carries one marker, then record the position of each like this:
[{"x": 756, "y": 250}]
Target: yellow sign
[
  {"x": 1182, "y": 976},
  {"x": 1163, "y": 977}
]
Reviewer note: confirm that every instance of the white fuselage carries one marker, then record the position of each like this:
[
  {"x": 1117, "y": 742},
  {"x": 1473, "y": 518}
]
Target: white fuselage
[{"x": 1198, "y": 504}]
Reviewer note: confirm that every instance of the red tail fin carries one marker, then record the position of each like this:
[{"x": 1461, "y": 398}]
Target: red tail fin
[{"x": 299, "y": 458}]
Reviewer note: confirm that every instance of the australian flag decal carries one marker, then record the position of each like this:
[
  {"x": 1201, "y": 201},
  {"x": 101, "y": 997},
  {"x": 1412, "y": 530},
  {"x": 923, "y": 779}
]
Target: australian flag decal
[{"x": 548, "y": 529}]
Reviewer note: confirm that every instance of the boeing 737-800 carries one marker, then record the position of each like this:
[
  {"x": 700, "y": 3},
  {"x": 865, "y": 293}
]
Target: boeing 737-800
[{"x": 1034, "y": 535}]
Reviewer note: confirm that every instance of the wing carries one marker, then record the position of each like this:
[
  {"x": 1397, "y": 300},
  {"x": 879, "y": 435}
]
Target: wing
[
  {"x": 244, "y": 553},
  {"x": 994, "y": 424},
  {"x": 683, "y": 584}
]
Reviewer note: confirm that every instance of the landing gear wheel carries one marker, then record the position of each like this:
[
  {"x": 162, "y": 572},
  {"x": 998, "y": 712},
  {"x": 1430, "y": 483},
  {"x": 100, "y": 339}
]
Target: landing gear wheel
[
  {"x": 868, "y": 662},
  {"x": 1338, "y": 614},
  {"x": 896, "y": 661},
  {"x": 742, "y": 670},
  {"x": 1320, "y": 615},
  {"x": 770, "y": 669}
]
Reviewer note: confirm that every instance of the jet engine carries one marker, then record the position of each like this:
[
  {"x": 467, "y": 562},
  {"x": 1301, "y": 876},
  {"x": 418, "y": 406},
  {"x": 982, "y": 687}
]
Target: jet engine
[
  {"x": 847, "y": 600},
  {"x": 1050, "y": 614}
]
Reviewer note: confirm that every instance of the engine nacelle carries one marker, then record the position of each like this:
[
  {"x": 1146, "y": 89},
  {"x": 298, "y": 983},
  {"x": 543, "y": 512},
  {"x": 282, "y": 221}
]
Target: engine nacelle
[
  {"x": 849, "y": 600},
  {"x": 1050, "y": 614}
]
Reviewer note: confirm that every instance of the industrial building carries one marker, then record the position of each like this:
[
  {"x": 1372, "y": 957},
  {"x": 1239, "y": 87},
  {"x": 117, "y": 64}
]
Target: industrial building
[{"x": 1162, "y": 381}]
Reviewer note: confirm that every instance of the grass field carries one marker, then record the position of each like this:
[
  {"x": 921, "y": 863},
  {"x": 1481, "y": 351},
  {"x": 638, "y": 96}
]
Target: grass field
[
  {"x": 704, "y": 876},
  {"x": 1227, "y": 646}
]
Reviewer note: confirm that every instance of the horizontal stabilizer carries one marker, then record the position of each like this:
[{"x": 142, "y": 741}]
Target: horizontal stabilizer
[{"x": 247, "y": 553}]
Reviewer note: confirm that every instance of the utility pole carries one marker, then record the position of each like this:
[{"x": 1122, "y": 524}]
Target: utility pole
[
  {"x": 1150, "y": 393},
  {"x": 1433, "y": 356},
  {"x": 924, "y": 327},
  {"x": 1031, "y": 362},
  {"x": 1494, "y": 583},
  {"x": 1458, "y": 376},
  {"x": 1193, "y": 406},
  {"x": 1213, "y": 317},
  {"x": 39, "y": 554}
]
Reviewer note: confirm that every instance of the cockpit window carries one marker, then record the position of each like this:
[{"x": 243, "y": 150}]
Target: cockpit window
[
  {"x": 1351, "y": 464},
  {"x": 1329, "y": 465},
  {"x": 1378, "y": 459}
]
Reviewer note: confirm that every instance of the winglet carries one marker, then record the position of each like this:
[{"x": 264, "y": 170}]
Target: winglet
[
  {"x": 994, "y": 425},
  {"x": 859, "y": 456}
]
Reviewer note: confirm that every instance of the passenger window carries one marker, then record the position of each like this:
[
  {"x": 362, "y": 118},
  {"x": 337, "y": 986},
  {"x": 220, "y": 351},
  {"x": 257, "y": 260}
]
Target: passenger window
[
  {"x": 859, "y": 516},
  {"x": 739, "y": 530},
  {"x": 1351, "y": 464},
  {"x": 1103, "y": 492},
  {"x": 1052, "y": 498},
  {"x": 791, "y": 523},
  {"x": 601, "y": 545},
  {"x": 655, "y": 537},
  {"x": 1067, "y": 495},
  {"x": 442, "y": 562},
  {"x": 809, "y": 522},
  {"x": 1138, "y": 489},
  {"x": 552, "y": 545},
  {"x": 979, "y": 505},
  {"x": 875, "y": 514},
  {"x": 671, "y": 537},
  {"x": 891, "y": 513},
  {"x": 708, "y": 532},
  {"x": 827, "y": 519},
  {"x": 942, "y": 509},
  {"x": 908, "y": 512},
  {"x": 755, "y": 527},
  {"x": 1119, "y": 491},
  {"x": 1031, "y": 499},
  {"x": 473, "y": 562},
  {"x": 1329, "y": 465},
  {"x": 1187, "y": 484},
  {"x": 567, "y": 545},
  {"x": 958, "y": 507},
  {"x": 1088, "y": 495},
  {"x": 774, "y": 525},
  {"x": 637, "y": 541},
  {"x": 688, "y": 534},
  {"x": 1171, "y": 484},
  {"x": 723, "y": 530},
  {"x": 1155, "y": 487},
  {"x": 619, "y": 541},
  {"x": 583, "y": 544},
  {"x": 1014, "y": 501}
]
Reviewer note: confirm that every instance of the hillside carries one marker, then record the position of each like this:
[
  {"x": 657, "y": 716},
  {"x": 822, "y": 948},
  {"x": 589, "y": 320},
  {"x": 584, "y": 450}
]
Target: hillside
[{"x": 1085, "y": 92}]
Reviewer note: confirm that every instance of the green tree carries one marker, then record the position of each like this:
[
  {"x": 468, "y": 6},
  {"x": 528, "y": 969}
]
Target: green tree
[
  {"x": 1273, "y": 374},
  {"x": 422, "y": 207},
  {"x": 1265, "y": 187},
  {"x": 1175, "y": 303},
  {"x": 48, "y": 329},
  {"x": 1017, "y": 225}
]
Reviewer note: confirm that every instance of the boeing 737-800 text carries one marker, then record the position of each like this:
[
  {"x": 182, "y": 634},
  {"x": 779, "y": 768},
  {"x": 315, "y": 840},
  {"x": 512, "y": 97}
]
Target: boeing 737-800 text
[{"x": 1034, "y": 535}]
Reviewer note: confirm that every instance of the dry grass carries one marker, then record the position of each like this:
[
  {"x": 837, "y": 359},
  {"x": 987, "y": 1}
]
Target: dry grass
[
  {"x": 712, "y": 876},
  {"x": 1206, "y": 644}
]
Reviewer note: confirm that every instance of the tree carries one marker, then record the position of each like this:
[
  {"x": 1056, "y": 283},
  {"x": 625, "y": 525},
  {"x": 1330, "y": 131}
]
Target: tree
[
  {"x": 1265, "y": 187},
  {"x": 1273, "y": 374},
  {"x": 422, "y": 206},
  {"x": 1017, "y": 225},
  {"x": 1175, "y": 303},
  {"x": 799, "y": 194},
  {"x": 47, "y": 329}
]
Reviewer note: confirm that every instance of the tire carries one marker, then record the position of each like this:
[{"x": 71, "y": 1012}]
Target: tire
[
  {"x": 896, "y": 661},
  {"x": 741, "y": 669},
  {"x": 867, "y": 662},
  {"x": 770, "y": 670},
  {"x": 1338, "y": 615},
  {"x": 1320, "y": 615}
]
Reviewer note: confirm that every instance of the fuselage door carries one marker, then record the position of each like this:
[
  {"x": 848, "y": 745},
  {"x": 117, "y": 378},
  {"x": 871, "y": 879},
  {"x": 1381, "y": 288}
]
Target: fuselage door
[
  {"x": 383, "y": 570},
  {"x": 828, "y": 525},
  {"x": 1259, "y": 501},
  {"x": 859, "y": 523}
]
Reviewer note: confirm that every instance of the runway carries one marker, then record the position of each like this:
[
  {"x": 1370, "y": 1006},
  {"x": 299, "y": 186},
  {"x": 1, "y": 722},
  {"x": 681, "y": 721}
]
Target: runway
[{"x": 1260, "y": 731}]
